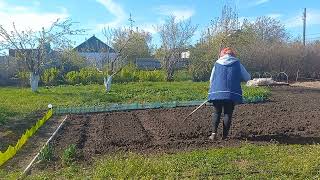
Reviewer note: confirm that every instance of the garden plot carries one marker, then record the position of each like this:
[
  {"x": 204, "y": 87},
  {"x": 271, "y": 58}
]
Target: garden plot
[{"x": 290, "y": 117}]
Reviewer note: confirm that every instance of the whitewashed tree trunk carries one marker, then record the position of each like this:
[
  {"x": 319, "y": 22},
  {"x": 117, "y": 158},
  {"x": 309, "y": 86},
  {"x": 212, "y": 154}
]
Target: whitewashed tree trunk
[
  {"x": 34, "y": 81},
  {"x": 107, "y": 83}
]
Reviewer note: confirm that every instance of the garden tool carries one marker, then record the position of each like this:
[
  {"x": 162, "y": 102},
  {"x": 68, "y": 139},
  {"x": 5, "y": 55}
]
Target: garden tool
[{"x": 196, "y": 109}]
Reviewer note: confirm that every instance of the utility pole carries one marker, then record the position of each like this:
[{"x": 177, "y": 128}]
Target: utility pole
[
  {"x": 304, "y": 25},
  {"x": 131, "y": 23}
]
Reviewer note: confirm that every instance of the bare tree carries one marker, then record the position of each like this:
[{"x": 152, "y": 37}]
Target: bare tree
[
  {"x": 226, "y": 23},
  {"x": 32, "y": 47},
  {"x": 175, "y": 38},
  {"x": 128, "y": 45}
]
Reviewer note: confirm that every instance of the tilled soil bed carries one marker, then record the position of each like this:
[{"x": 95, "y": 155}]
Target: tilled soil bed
[{"x": 292, "y": 116}]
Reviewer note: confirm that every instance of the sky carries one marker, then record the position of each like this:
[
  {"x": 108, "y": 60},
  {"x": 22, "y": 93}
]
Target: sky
[{"x": 147, "y": 14}]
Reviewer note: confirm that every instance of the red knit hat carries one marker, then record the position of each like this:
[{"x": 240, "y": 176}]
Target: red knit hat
[{"x": 227, "y": 51}]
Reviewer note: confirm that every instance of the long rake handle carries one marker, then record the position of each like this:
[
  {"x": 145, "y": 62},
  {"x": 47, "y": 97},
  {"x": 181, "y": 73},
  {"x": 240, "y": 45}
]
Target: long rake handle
[{"x": 195, "y": 110}]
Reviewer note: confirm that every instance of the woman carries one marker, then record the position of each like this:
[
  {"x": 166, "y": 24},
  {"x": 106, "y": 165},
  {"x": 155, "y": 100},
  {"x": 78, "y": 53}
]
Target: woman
[{"x": 225, "y": 89}]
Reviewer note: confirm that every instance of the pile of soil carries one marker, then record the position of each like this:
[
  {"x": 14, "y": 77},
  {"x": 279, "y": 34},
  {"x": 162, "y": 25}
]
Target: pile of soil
[{"x": 291, "y": 117}]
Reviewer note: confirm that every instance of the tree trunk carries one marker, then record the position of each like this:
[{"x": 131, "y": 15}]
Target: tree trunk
[
  {"x": 170, "y": 72},
  {"x": 107, "y": 83},
  {"x": 34, "y": 81}
]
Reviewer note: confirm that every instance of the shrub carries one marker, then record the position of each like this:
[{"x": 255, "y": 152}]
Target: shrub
[
  {"x": 72, "y": 77},
  {"x": 182, "y": 75},
  {"x": 24, "y": 77},
  {"x": 127, "y": 74},
  {"x": 85, "y": 76},
  {"x": 153, "y": 76},
  {"x": 131, "y": 74},
  {"x": 90, "y": 75},
  {"x": 50, "y": 76}
]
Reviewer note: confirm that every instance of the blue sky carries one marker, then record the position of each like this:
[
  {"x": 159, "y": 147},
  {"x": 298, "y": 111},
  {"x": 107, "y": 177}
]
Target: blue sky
[{"x": 95, "y": 14}]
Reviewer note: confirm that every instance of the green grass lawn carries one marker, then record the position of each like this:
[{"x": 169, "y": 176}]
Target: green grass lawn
[
  {"x": 249, "y": 161},
  {"x": 17, "y": 102},
  {"x": 246, "y": 162}
]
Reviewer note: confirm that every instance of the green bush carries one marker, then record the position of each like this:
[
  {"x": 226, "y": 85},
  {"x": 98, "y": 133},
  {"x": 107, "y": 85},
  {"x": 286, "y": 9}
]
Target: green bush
[
  {"x": 50, "y": 76},
  {"x": 127, "y": 74},
  {"x": 131, "y": 74},
  {"x": 69, "y": 155},
  {"x": 72, "y": 77},
  {"x": 182, "y": 75},
  {"x": 152, "y": 76},
  {"x": 24, "y": 77},
  {"x": 90, "y": 75},
  {"x": 85, "y": 76}
]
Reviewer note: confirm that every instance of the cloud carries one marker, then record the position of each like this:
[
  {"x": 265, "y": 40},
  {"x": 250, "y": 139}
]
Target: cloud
[
  {"x": 250, "y": 3},
  {"x": 313, "y": 17},
  {"x": 26, "y": 17},
  {"x": 259, "y": 2},
  {"x": 116, "y": 10},
  {"x": 274, "y": 15},
  {"x": 181, "y": 13}
]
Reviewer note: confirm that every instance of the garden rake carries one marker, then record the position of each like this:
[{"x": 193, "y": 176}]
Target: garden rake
[{"x": 196, "y": 109}]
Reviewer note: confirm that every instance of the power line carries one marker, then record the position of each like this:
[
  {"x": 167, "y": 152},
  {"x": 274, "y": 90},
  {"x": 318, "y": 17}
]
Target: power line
[
  {"x": 313, "y": 34},
  {"x": 313, "y": 38}
]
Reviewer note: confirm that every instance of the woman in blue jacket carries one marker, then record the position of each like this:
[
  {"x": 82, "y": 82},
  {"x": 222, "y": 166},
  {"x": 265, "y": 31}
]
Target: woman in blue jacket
[{"x": 225, "y": 89}]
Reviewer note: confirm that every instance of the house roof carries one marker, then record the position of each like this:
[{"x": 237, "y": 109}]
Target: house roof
[
  {"x": 148, "y": 63},
  {"x": 147, "y": 60},
  {"x": 94, "y": 44}
]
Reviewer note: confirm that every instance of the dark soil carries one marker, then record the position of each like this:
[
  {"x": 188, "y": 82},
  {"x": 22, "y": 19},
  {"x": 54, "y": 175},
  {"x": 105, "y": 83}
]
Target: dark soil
[{"x": 290, "y": 117}]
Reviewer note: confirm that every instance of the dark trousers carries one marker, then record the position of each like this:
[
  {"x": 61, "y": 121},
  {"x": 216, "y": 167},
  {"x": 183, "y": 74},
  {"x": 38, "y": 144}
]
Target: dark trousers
[{"x": 228, "y": 107}]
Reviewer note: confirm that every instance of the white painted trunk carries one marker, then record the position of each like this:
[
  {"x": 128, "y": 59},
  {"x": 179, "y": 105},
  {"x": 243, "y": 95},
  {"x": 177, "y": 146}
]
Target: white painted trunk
[
  {"x": 107, "y": 83},
  {"x": 34, "y": 81}
]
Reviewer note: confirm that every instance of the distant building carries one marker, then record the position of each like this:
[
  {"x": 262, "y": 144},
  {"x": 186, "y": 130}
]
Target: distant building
[
  {"x": 96, "y": 52},
  {"x": 147, "y": 63},
  {"x": 51, "y": 57},
  {"x": 8, "y": 68}
]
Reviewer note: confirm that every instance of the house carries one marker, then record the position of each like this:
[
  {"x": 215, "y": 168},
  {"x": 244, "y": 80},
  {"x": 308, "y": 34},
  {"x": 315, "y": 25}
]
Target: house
[
  {"x": 96, "y": 52},
  {"x": 147, "y": 63},
  {"x": 8, "y": 68},
  {"x": 51, "y": 58}
]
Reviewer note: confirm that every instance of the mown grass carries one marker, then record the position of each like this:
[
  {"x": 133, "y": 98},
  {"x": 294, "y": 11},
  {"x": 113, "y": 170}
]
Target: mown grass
[
  {"x": 246, "y": 162},
  {"x": 16, "y": 102}
]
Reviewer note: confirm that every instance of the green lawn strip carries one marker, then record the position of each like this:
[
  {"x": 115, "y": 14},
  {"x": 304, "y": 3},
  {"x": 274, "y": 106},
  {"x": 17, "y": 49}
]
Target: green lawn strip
[
  {"x": 17, "y": 102},
  {"x": 248, "y": 161}
]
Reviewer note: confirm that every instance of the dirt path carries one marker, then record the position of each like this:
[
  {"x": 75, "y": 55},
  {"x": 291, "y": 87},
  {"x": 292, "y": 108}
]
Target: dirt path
[{"x": 292, "y": 117}]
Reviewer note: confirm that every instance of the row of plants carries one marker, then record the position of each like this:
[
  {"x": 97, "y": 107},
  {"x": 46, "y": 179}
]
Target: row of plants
[
  {"x": 68, "y": 156},
  {"x": 90, "y": 75}
]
